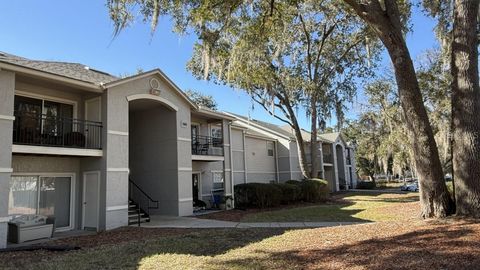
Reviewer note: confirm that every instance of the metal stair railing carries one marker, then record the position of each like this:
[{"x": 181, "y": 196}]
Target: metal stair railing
[{"x": 143, "y": 201}]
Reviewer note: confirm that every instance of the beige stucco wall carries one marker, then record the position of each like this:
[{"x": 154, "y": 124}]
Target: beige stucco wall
[
  {"x": 261, "y": 167},
  {"x": 117, "y": 120},
  {"x": 7, "y": 86}
]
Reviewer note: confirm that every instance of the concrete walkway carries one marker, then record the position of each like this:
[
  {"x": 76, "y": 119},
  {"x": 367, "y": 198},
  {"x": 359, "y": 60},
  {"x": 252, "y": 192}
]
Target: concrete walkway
[
  {"x": 192, "y": 222},
  {"x": 380, "y": 191}
]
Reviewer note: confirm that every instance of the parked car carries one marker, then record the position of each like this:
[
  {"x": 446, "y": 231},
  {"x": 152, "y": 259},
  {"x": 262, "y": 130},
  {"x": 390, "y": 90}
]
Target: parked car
[{"x": 410, "y": 187}]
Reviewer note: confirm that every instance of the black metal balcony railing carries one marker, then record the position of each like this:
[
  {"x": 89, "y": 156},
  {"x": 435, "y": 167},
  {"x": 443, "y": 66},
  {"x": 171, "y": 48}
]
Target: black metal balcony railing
[
  {"x": 206, "y": 145},
  {"x": 44, "y": 130}
]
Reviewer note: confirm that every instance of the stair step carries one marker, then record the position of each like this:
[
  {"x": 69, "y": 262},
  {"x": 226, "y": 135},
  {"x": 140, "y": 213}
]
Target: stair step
[
  {"x": 135, "y": 221},
  {"x": 142, "y": 215}
]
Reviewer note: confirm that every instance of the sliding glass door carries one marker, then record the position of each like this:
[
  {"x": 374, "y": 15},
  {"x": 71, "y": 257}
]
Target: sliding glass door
[{"x": 44, "y": 195}]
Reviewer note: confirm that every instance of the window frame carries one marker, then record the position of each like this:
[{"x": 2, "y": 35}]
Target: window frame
[
  {"x": 272, "y": 144},
  {"x": 72, "y": 177},
  {"x": 44, "y": 98}
]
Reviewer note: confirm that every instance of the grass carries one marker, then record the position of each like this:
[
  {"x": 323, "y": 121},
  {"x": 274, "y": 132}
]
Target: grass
[
  {"x": 386, "y": 245},
  {"x": 398, "y": 241},
  {"x": 348, "y": 207}
]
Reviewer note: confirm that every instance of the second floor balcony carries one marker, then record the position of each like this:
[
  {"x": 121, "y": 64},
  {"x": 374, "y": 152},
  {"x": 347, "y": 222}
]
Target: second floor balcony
[
  {"x": 207, "y": 145},
  {"x": 44, "y": 130}
]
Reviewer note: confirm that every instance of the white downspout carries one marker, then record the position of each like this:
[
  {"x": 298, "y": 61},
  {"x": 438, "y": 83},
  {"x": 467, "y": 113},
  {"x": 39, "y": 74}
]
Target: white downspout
[
  {"x": 244, "y": 156},
  {"x": 276, "y": 161},
  {"x": 231, "y": 164}
]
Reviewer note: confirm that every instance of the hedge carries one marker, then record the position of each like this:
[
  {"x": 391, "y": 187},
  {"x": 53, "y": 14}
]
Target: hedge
[
  {"x": 314, "y": 190},
  {"x": 263, "y": 195},
  {"x": 365, "y": 185},
  {"x": 257, "y": 195},
  {"x": 290, "y": 193}
]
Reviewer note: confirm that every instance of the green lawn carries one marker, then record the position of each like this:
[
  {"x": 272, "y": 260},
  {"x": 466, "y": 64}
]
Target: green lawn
[
  {"x": 384, "y": 245},
  {"x": 350, "y": 207},
  {"x": 402, "y": 244}
]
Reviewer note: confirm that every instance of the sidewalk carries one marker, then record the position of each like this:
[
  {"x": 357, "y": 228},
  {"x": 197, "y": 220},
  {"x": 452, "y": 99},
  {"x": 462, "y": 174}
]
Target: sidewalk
[{"x": 191, "y": 222}]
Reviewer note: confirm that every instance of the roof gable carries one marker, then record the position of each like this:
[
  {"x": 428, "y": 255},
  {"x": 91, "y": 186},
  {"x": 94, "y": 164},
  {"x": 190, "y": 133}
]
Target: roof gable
[{"x": 162, "y": 75}]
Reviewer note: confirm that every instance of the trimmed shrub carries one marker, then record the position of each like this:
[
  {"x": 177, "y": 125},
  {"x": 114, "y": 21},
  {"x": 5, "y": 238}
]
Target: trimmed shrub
[
  {"x": 290, "y": 193},
  {"x": 293, "y": 182},
  {"x": 261, "y": 195},
  {"x": 314, "y": 190},
  {"x": 257, "y": 195},
  {"x": 366, "y": 185}
]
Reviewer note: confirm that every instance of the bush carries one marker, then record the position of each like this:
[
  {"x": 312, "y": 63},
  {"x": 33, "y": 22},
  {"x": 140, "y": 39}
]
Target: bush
[
  {"x": 290, "y": 193},
  {"x": 263, "y": 195},
  {"x": 314, "y": 190},
  {"x": 257, "y": 195},
  {"x": 366, "y": 185},
  {"x": 293, "y": 182}
]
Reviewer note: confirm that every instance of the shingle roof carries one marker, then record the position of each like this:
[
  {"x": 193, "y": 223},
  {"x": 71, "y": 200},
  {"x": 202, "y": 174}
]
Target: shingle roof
[
  {"x": 331, "y": 137},
  {"x": 288, "y": 131},
  {"x": 70, "y": 70},
  {"x": 266, "y": 125}
]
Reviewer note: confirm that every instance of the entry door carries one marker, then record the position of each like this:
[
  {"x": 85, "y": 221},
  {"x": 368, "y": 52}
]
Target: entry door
[
  {"x": 91, "y": 192},
  {"x": 195, "y": 186}
]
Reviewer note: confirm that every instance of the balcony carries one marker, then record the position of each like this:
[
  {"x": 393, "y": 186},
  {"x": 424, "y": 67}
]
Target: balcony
[
  {"x": 207, "y": 146},
  {"x": 46, "y": 131}
]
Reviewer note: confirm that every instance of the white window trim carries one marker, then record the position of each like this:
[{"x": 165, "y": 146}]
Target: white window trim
[
  {"x": 72, "y": 193},
  {"x": 50, "y": 98},
  {"x": 268, "y": 149},
  {"x": 210, "y": 129},
  {"x": 223, "y": 177}
]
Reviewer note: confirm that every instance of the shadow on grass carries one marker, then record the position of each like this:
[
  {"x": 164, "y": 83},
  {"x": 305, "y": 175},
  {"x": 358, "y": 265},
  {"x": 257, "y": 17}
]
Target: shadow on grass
[
  {"x": 439, "y": 248},
  {"x": 412, "y": 198},
  {"x": 128, "y": 255},
  {"x": 315, "y": 213}
]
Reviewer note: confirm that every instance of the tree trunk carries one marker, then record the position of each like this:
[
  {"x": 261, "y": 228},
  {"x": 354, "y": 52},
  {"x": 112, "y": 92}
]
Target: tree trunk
[
  {"x": 466, "y": 108},
  {"x": 299, "y": 140},
  {"x": 313, "y": 140},
  {"x": 385, "y": 21}
]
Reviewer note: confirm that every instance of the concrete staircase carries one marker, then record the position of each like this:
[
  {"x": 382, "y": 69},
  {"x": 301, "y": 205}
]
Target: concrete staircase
[{"x": 136, "y": 215}]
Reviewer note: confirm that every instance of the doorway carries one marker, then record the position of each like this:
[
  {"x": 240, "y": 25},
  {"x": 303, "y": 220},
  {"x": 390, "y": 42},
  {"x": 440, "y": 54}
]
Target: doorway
[
  {"x": 195, "y": 187},
  {"x": 91, "y": 200}
]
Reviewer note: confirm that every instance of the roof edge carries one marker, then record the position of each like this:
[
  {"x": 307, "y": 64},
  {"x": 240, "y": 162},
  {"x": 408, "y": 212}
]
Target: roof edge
[{"x": 52, "y": 76}]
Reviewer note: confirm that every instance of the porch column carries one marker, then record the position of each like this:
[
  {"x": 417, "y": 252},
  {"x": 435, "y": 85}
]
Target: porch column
[
  {"x": 116, "y": 159},
  {"x": 335, "y": 166},
  {"x": 7, "y": 93},
  {"x": 321, "y": 161},
  {"x": 227, "y": 163},
  {"x": 345, "y": 169}
]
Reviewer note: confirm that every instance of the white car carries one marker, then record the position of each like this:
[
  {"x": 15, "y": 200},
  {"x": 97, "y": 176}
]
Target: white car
[{"x": 413, "y": 187}]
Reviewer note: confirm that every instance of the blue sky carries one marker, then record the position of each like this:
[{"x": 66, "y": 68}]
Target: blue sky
[{"x": 81, "y": 31}]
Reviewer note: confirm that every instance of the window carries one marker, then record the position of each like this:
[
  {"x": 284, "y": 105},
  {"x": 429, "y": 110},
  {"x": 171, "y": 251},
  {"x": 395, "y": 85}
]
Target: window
[
  {"x": 216, "y": 131},
  {"x": 270, "y": 148},
  {"x": 43, "y": 195},
  {"x": 217, "y": 135},
  {"x": 217, "y": 180},
  {"x": 42, "y": 116}
]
